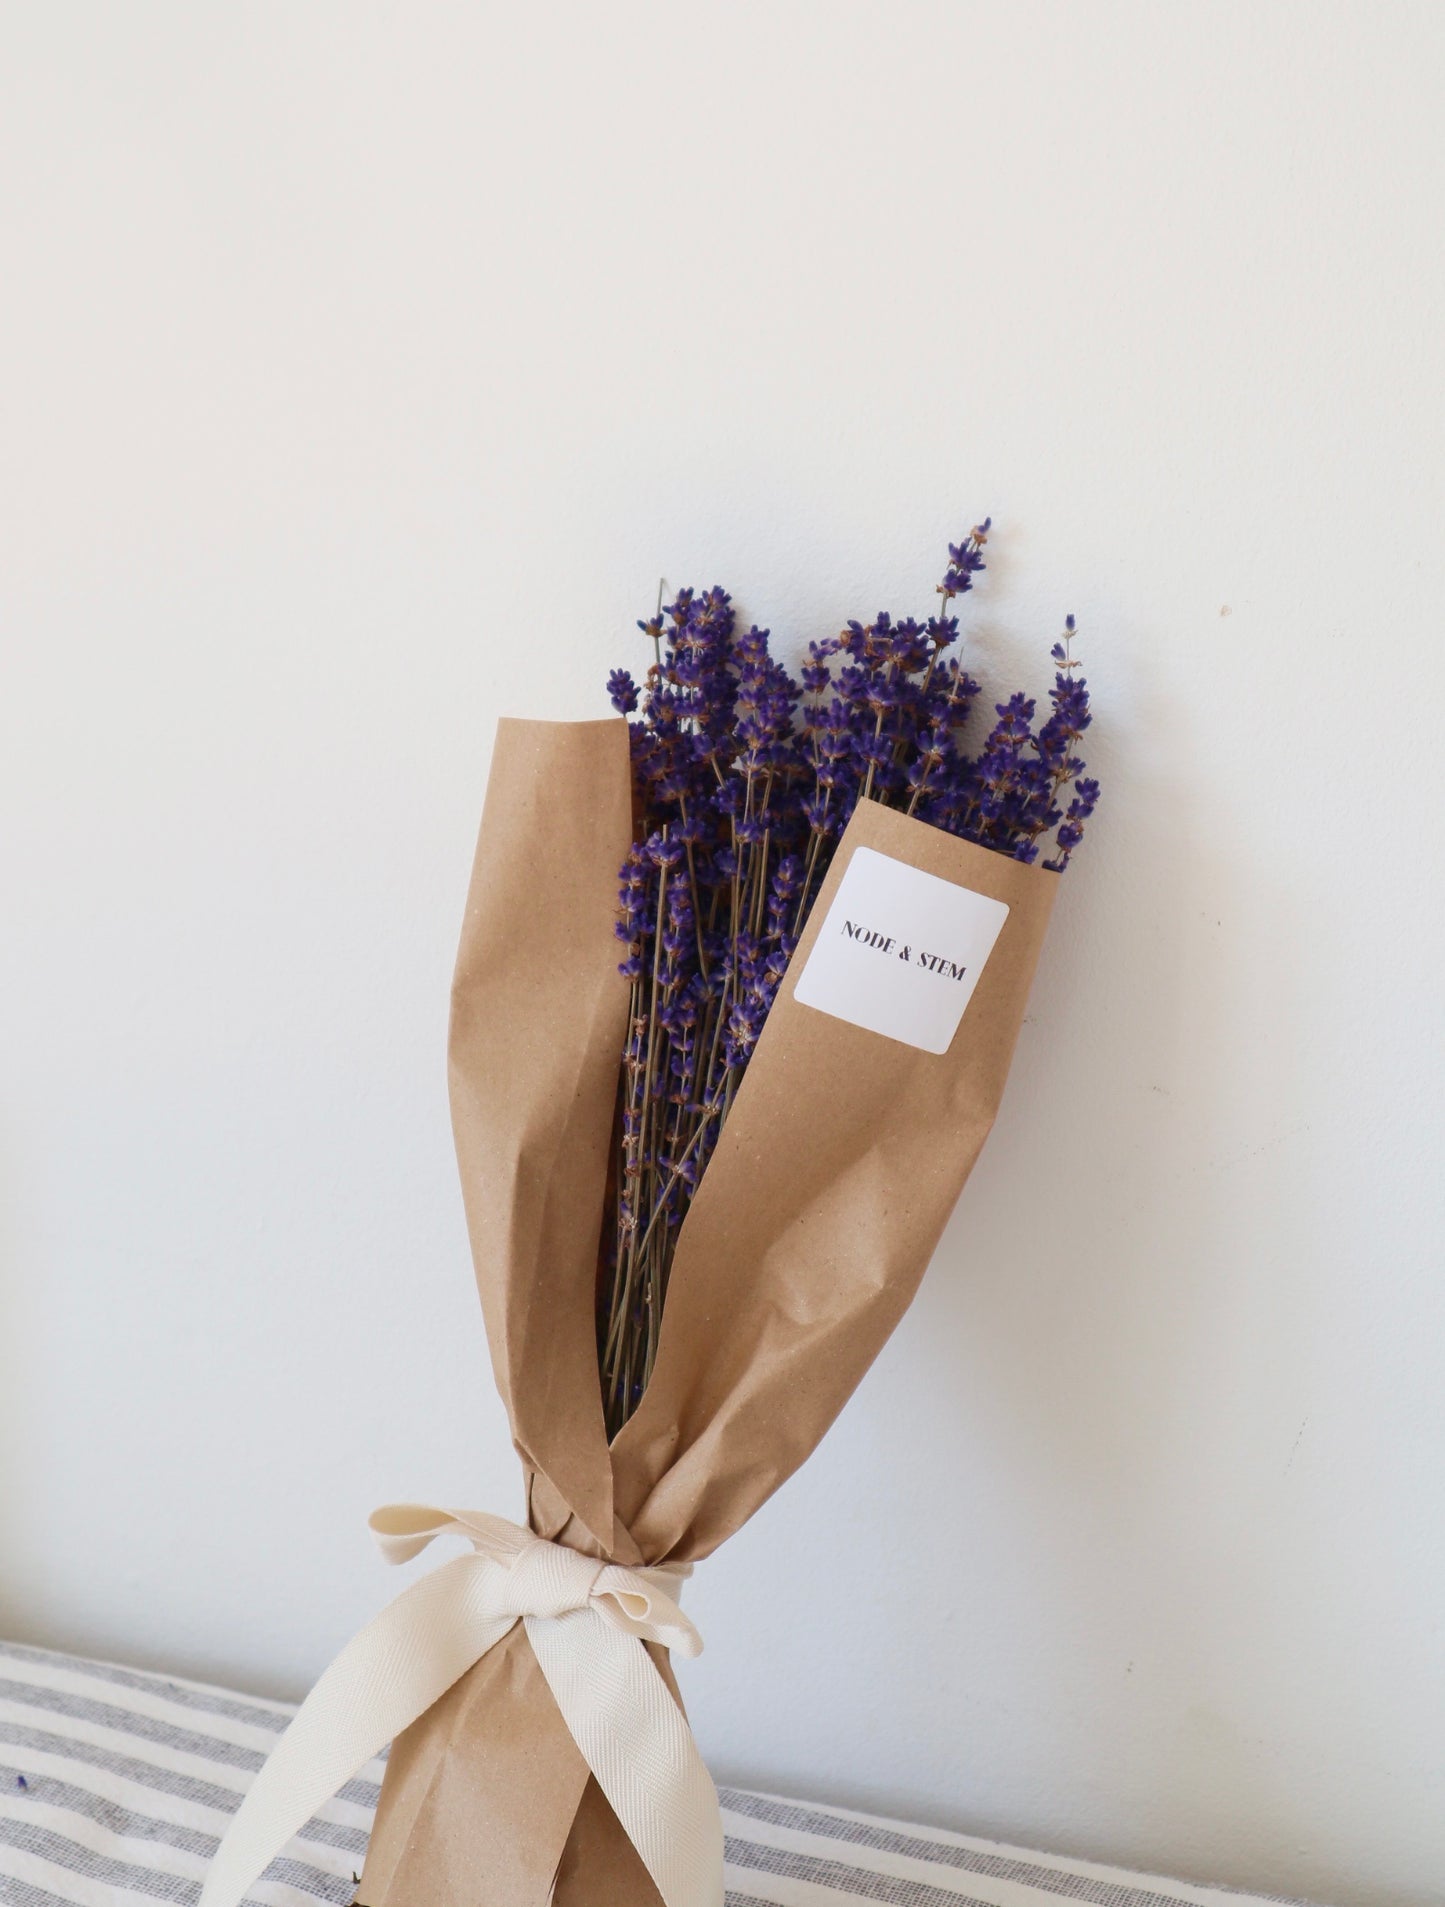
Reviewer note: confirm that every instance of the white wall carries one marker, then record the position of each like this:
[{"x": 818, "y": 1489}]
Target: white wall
[{"x": 362, "y": 367}]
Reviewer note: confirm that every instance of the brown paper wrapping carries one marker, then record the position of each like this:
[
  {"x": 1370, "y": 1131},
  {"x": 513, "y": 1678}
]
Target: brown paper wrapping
[{"x": 836, "y": 1172}]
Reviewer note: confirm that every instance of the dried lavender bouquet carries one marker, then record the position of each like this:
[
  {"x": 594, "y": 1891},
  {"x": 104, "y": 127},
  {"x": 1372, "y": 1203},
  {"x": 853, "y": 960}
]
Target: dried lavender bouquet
[
  {"x": 790, "y": 1062},
  {"x": 744, "y": 781}
]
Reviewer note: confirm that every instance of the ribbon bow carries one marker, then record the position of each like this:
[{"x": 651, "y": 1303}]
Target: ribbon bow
[{"x": 586, "y": 1622}]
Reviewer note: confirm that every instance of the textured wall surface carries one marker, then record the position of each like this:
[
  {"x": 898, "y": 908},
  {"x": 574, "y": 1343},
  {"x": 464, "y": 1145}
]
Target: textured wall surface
[{"x": 361, "y": 370}]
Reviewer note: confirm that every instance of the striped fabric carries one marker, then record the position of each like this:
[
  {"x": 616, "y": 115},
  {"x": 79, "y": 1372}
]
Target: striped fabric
[{"x": 115, "y": 1785}]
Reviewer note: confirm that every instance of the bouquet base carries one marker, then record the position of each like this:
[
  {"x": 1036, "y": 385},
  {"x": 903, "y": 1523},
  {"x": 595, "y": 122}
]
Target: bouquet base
[{"x": 487, "y": 1802}]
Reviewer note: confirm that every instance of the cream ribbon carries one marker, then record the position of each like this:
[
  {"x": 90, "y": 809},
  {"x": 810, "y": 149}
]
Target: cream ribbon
[{"x": 586, "y": 1622}]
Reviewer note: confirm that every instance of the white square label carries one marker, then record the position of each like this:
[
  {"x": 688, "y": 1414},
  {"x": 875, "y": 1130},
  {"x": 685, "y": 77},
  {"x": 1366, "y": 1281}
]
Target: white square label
[{"x": 900, "y": 951}]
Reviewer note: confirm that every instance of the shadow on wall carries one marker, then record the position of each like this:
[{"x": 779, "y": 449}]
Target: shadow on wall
[{"x": 1129, "y": 1395}]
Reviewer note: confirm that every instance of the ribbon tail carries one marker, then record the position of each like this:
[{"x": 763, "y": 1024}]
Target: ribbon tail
[
  {"x": 387, "y": 1675},
  {"x": 635, "y": 1739}
]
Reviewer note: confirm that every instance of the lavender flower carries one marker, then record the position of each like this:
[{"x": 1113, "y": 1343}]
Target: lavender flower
[
  {"x": 622, "y": 691},
  {"x": 745, "y": 780}
]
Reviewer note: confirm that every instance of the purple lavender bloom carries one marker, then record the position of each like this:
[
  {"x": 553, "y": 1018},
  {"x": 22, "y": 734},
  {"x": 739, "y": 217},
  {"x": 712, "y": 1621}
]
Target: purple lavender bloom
[
  {"x": 965, "y": 560},
  {"x": 663, "y": 852},
  {"x": 745, "y": 780},
  {"x": 622, "y": 691}
]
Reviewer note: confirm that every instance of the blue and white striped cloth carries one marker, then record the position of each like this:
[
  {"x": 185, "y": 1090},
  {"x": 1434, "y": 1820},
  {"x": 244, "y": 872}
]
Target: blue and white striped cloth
[{"x": 115, "y": 1786}]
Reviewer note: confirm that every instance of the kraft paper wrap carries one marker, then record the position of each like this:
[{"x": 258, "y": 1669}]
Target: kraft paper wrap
[{"x": 835, "y": 1174}]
